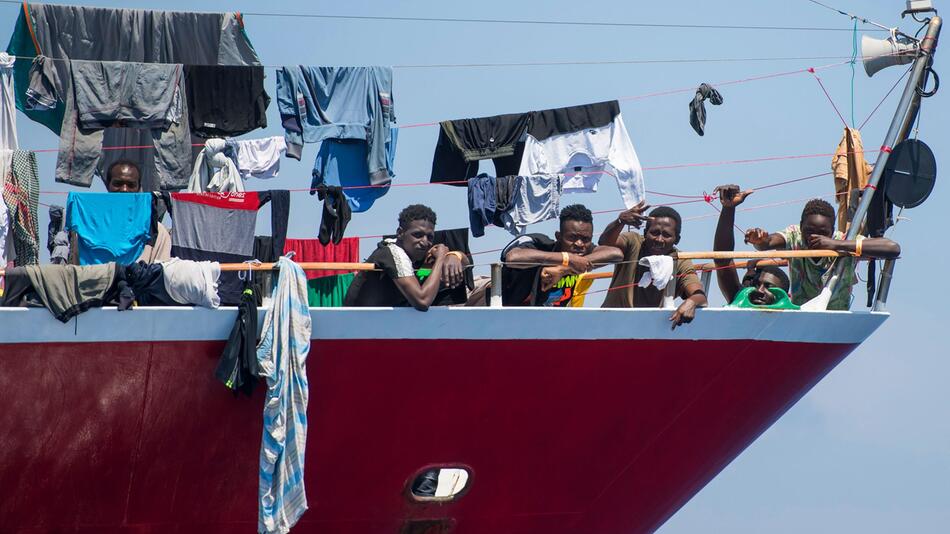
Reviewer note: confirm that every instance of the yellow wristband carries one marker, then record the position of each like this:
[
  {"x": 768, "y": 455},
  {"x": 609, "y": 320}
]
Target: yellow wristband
[
  {"x": 457, "y": 254},
  {"x": 858, "y": 245},
  {"x": 565, "y": 259}
]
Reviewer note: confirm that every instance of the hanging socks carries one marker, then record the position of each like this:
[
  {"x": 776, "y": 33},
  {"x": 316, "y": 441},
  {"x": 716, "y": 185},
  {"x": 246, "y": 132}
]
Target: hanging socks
[
  {"x": 336, "y": 214},
  {"x": 697, "y": 110}
]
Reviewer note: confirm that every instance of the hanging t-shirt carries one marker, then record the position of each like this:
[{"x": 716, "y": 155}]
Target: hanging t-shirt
[
  {"x": 342, "y": 162},
  {"x": 586, "y": 155},
  {"x": 111, "y": 227},
  {"x": 311, "y": 250},
  {"x": 220, "y": 227},
  {"x": 225, "y": 100}
]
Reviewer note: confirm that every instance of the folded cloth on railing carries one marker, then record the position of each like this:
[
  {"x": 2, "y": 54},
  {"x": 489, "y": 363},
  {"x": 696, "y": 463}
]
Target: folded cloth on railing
[
  {"x": 65, "y": 290},
  {"x": 146, "y": 282},
  {"x": 624, "y": 291},
  {"x": 192, "y": 282},
  {"x": 110, "y": 227},
  {"x": 226, "y": 100},
  {"x": 660, "y": 271},
  {"x": 282, "y": 361}
]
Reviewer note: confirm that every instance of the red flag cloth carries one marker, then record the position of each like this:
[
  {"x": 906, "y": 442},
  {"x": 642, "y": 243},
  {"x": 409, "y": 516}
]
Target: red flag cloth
[{"x": 311, "y": 250}]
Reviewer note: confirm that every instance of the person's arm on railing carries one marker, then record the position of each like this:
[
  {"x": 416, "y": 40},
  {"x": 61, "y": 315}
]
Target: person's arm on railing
[
  {"x": 527, "y": 258},
  {"x": 453, "y": 269},
  {"x": 420, "y": 296},
  {"x": 872, "y": 247}
]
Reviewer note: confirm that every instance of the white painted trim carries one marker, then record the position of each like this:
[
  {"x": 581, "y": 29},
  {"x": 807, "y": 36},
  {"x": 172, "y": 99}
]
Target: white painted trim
[{"x": 36, "y": 325}]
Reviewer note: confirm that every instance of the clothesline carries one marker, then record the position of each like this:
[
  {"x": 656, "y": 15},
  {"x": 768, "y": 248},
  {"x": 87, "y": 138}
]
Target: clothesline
[
  {"x": 692, "y": 199},
  {"x": 622, "y": 98},
  {"x": 598, "y": 24},
  {"x": 588, "y": 173},
  {"x": 574, "y": 63}
]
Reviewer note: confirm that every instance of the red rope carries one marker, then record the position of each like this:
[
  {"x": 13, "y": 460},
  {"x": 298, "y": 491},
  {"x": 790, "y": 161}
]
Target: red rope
[{"x": 818, "y": 79}]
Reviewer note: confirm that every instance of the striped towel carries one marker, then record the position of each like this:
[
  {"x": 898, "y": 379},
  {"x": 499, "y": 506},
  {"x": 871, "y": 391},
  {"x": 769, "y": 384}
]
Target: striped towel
[{"x": 282, "y": 358}]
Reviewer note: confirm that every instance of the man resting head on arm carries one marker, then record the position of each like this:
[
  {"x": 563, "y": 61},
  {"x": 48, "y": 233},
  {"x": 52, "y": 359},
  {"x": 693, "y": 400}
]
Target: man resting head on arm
[
  {"x": 398, "y": 260},
  {"x": 816, "y": 231}
]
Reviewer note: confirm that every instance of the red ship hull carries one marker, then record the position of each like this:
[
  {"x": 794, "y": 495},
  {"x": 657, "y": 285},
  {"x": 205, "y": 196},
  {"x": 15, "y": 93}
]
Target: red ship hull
[{"x": 116, "y": 424}]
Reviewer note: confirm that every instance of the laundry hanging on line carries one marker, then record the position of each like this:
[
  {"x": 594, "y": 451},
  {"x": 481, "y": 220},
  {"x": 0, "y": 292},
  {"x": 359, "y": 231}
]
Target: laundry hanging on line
[
  {"x": 513, "y": 202},
  {"x": 312, "y": 250},
  {"x": 220, "y": 227},
  {"x": 100, "y": 95},
  {"x": 21, "y": 195},
  {"x": 282, "y": 361},
  {"x": 697, "y": 108},
  {"x": 583, "y": 141},
  {"x": 64, "y": 32},
  {"x": 351, "y": 108},
  {"x": 225, "y": 100},
  {"x": 110, "y": 227}
]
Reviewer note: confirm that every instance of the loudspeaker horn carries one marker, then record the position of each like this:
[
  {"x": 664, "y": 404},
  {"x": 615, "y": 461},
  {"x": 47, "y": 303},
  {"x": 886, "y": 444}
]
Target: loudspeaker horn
[{"x": 882, "y": 53}]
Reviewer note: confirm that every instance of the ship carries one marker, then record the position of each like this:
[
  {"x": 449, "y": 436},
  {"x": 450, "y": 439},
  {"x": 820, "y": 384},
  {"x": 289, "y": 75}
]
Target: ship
[
  {"x": 458, "y": 420},
  {"x": 564, "y": 420}
]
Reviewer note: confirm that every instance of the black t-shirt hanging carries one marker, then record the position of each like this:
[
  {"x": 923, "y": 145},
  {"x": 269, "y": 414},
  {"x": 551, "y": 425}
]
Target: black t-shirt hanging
[{"x": 225, "y": 100}]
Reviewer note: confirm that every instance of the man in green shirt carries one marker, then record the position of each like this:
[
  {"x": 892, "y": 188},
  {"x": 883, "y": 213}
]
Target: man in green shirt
[{"x": 763, "y": 286}]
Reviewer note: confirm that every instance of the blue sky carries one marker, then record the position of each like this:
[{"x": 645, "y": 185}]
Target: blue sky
[{"x": 867, "y": 449}]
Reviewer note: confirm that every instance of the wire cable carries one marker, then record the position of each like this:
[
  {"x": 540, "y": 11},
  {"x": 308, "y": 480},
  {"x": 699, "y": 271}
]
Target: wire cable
[{"x": 528, "y": 22}]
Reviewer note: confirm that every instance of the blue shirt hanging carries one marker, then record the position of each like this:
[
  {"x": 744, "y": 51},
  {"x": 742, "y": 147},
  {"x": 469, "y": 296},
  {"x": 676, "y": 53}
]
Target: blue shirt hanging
[{"x": 112, "y": 227}]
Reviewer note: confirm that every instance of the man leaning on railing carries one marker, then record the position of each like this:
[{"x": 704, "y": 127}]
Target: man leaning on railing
[{"x": 816, "y": 231}]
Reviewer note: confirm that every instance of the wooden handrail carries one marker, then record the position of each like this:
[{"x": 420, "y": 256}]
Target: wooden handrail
[
  {"x": 755, "y": 254},
  {"x": 305, "y": 265},
  {"x": 699, "y": 267}
]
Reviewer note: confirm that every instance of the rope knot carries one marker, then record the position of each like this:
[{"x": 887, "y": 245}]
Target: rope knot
[{"x": 708, "y": 198}]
